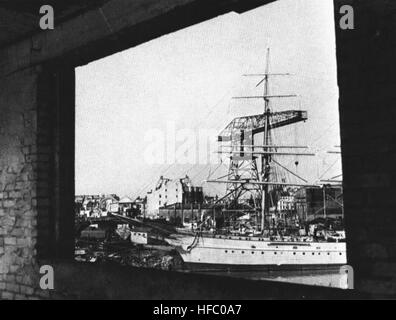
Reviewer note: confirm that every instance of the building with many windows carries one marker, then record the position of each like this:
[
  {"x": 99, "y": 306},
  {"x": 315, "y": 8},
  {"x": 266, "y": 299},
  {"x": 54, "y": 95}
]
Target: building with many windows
[
  {"x": 172, "y": 192},
  {"x": 286, "y": 203}
]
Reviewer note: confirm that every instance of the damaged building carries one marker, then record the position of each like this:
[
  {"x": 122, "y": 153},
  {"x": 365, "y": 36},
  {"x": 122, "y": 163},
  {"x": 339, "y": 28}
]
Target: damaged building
[{"x": 172, "y": 193}]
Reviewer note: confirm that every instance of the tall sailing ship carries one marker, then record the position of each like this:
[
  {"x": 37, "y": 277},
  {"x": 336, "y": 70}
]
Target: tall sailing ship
[{"x": 253, "y": 171}]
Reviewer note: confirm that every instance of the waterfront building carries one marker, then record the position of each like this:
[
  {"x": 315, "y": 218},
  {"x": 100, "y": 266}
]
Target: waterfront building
[
  {"x": 316, "y": 202},
  {"x": 140, "y": 235},
  {"x": 125, "y": 205},
  {"x": 170, "y": 192}
]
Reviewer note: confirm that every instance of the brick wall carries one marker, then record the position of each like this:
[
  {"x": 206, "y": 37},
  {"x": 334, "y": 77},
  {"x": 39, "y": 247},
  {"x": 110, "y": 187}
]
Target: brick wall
[
  {"x": 36, "y": 175},
  {"x": 18, "y": 185}
]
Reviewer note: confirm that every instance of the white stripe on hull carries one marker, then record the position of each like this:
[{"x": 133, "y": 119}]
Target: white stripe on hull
[{"x": 254, "y": 252}]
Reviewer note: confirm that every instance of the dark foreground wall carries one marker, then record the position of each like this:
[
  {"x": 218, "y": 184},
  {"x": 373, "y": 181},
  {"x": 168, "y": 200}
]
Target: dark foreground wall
[
  {"x": 107, "y": 281},
  {"x": 18, "y": 184},
  {"x": 367, "y": 82}
]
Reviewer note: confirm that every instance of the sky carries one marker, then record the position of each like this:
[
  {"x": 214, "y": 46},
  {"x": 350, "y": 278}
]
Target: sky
[{"x": 137, "y": 111}]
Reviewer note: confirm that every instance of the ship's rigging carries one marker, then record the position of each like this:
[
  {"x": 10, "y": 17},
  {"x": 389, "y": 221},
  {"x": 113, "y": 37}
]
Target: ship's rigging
[{"x": 252, "y": 159}]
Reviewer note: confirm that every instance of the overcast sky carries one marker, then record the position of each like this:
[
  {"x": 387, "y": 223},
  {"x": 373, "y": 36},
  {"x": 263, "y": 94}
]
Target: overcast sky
[{"x": 186, "y": 79}]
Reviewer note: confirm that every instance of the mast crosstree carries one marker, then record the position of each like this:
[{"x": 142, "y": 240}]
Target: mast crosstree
[{"x": 251, "y": 165}]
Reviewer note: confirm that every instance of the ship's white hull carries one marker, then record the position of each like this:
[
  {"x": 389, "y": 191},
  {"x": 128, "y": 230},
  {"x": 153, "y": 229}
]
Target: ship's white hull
[{"x": 255, "y": 252}]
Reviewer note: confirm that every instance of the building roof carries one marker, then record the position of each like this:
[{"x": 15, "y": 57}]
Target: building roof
[
  {"x": 141, "y": 229},
  {"x": 125, "y": 200}
]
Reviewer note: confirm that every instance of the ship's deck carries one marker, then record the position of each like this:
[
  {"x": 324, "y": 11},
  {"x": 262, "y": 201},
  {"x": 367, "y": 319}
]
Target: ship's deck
[{"x": 274, "y": 240}]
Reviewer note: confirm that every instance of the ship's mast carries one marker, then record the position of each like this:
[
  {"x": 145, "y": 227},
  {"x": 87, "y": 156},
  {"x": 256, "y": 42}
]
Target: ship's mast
[
  {"x": 265, "y": 157},
  {"x": 250, "y": 163}
]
